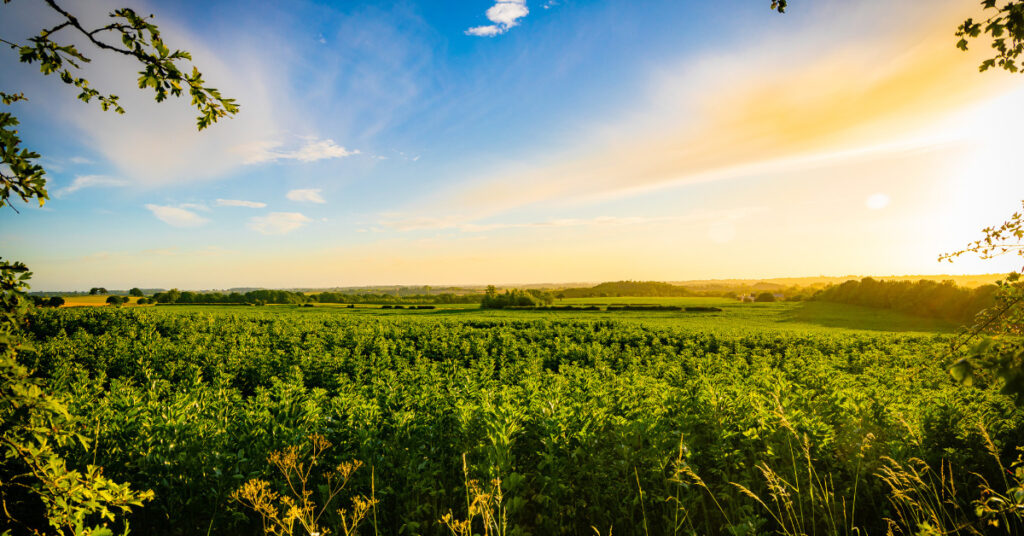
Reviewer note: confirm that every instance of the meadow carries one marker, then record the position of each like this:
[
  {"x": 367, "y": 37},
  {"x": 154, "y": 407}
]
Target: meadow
[{"x": 778, "y": 418}]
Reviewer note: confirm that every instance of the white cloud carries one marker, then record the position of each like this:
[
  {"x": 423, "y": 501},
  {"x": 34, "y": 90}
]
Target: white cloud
[
  {"x": 312, "y": 150},
  {"x": 278, "y": 223},
  {"x": 194, "y": 206},
  {"x": 239, "y": 203},
  {"x": 504, "y": 15},
  {"x": 309, "y": 195},
  {"x": 90, "y": 181},
  {"x": 80, "y": 160},
  {"x": 176, "y": 216},
  {"x": 485, "y": 31}
]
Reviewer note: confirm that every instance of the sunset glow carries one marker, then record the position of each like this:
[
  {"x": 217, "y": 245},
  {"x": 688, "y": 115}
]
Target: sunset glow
[{"x": 433, "y": 143}]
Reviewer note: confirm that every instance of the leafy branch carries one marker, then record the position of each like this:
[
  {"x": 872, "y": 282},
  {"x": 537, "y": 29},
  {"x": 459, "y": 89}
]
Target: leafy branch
[
  {"x": 35, "y": 427},
  {"x": 164, "y": 70},
  {"x": 999, "y": 350},
  {"x": 1005, "y": 26}
]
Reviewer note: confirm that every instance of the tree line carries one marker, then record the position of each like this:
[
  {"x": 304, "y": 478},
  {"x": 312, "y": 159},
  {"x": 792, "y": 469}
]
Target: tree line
[
  {"x": 515, "y": 298},
  {"x": 640, "y": 289},
  {"x": 264, "y": 297},
  {"x": 932, "y": 299}
]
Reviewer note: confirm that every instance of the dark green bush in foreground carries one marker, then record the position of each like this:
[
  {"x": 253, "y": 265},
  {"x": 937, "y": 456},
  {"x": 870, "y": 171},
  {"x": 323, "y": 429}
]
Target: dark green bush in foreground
[{"x": 574, "y": 417}]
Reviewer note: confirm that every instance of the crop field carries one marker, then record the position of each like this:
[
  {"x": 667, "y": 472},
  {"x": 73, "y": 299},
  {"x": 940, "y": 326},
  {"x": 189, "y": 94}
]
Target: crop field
[
  {"x": 794, "y": 418},
  {"x": 735, "y": 317}
]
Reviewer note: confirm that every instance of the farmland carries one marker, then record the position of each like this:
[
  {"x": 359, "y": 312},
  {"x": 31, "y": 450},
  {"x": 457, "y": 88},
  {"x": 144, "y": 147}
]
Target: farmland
[
  {"x": 735, "y": 318},
  {"x": 553, "y": 422}
]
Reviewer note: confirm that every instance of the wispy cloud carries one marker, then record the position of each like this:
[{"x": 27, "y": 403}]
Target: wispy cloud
[
  {"x": 308, "y": 195},
  {"x": 239, "y": 203},
  {"x": 278, "y": 223},
  {"x": 176, "y": 216},
  {"x": 91, "y": 181},
  {"x": 80, "y": 160},
  {"x": 311, "y": 150},
  {"x": 504, "y": 15},
  {"x": 759, "y": 107}
]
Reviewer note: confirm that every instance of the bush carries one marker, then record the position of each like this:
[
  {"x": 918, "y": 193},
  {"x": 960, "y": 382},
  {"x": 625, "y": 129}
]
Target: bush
[{"x": 765, "y": 297}]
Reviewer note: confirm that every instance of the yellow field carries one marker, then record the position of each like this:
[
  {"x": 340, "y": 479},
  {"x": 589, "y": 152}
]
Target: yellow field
[{"x": 93, "y": 301}]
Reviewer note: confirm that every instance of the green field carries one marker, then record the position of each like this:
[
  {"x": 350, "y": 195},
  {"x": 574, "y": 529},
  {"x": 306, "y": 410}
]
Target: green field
[
  {"x": 736, "y": 317},
  {"x": 642, "y": 422}
]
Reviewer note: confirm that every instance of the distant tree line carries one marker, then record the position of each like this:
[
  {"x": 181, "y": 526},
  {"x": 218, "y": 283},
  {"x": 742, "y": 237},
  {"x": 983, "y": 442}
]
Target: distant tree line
[
  {"x": 932, "y": 299},
  {"x": 96, "y": 291},
  {"x": 263, "y": 297},
  {"x": 391, "y": 299},
  {"x": 640, "y": 289},
  {"x": 515, "y": 298}
]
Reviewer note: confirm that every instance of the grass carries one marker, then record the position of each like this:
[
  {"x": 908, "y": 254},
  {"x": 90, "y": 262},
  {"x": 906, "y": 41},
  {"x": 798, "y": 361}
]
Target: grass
[
  {"x": 839, "y": 315},
  {"x": 736, "y": 318}
]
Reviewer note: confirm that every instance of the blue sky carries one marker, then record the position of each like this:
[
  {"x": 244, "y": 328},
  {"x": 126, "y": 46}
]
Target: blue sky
[{"x": 476, "y": 142}]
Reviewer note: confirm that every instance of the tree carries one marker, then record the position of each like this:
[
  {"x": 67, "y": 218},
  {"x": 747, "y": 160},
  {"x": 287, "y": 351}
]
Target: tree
[
  {"x": 33, "y": 424},
  {"x": 97, "y": 290},
  {"x": 115, "y": 300},
  {"x": 137, "y": 292},
  {"x": 997, "y": 349},
  {"x": 56, "y": 301},
  {"x": 1005, "y": 27},
  {"x": 765, "y": 297}
]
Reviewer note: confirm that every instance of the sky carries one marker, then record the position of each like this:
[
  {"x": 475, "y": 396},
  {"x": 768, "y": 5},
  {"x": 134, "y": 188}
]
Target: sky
[{"x": 521, "y": 141}]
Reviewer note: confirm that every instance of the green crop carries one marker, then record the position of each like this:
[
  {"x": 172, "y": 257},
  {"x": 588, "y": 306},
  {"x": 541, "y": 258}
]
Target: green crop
[{"x": 521, "y": 424}]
